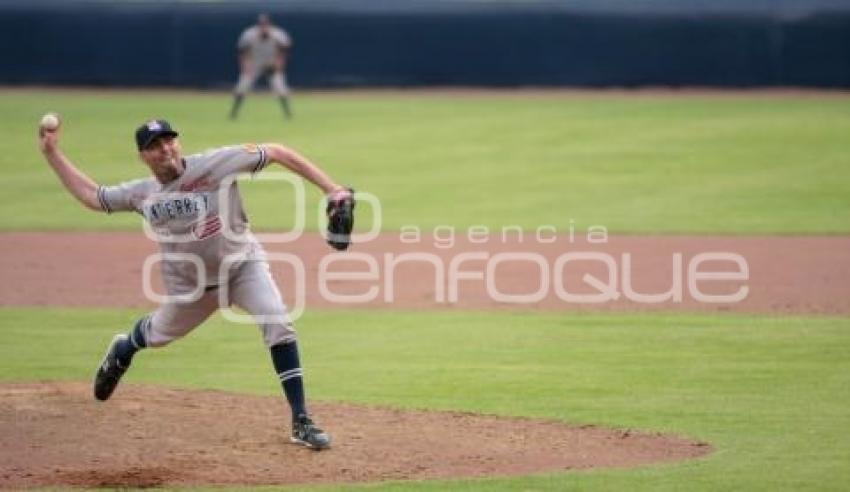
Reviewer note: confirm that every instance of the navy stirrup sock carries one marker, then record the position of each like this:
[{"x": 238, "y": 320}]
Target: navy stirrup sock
[
  {"x": 134, "y": 342},
  {"x": 284, "y": 105},
  {"x": 237, "y": 103},
  {"x": 288, "y": 368}
]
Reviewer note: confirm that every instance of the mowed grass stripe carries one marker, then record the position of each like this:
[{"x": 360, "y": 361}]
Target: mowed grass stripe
[{"x": 640, "y": 164}]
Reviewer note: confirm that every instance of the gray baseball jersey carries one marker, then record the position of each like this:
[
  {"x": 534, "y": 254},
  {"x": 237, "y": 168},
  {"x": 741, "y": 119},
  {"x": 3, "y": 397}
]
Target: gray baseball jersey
[
  {"x": 188, "y": 216},
  {"x": 263, "y": 50}
]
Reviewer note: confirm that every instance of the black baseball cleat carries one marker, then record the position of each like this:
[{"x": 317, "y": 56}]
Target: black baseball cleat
[
  {"x": 109, "y": 372},
  {"x": 305, "y": 432}
]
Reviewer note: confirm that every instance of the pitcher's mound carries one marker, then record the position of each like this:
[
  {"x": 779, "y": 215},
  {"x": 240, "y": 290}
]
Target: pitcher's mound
[{"x": 57, "y": 434}]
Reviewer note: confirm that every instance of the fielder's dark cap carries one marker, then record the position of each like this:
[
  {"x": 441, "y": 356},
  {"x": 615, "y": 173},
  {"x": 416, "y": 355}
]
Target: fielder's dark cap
[{"x": 150, "y": 130}]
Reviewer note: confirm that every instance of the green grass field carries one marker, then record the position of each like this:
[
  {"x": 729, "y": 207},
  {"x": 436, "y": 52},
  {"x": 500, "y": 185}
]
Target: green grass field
[
  {"x": 771, "y": 394},
  {"x": 672, "y": 164}
]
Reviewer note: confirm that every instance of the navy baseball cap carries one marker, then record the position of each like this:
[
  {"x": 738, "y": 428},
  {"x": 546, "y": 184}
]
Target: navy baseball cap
[{"x": 150, "y": 130}]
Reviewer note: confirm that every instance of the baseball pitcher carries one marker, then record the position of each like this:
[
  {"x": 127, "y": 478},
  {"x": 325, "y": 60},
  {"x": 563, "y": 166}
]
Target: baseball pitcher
[{"x": 183, "y": 204}]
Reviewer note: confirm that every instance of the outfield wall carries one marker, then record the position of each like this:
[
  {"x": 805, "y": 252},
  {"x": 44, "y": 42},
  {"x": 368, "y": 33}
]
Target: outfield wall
[{"x": 418, "y": 43}]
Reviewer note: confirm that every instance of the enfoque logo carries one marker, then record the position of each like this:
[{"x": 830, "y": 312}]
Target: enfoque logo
[{"x": 559, "y": 265}]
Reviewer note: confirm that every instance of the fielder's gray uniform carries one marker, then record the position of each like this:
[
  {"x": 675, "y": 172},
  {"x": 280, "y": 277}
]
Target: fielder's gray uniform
[
  {"x": 262, "y": 52},
  {"x": 188, "y": 216}
]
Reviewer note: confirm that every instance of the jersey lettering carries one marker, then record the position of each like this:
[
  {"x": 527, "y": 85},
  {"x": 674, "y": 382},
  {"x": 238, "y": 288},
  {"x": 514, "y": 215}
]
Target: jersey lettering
[
  {"x": 195, "y": 185},
  {"x": 176, "y": 207}
]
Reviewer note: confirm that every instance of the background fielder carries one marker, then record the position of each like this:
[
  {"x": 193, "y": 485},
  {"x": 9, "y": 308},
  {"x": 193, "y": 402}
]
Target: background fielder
[
  {"x": 263, "y": 50},
  {"x": 181, "y": 202}
]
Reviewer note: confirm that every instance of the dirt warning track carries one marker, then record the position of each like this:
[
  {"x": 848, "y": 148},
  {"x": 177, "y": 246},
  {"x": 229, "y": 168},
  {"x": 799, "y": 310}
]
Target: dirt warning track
[{"x": 774, "y": 274}]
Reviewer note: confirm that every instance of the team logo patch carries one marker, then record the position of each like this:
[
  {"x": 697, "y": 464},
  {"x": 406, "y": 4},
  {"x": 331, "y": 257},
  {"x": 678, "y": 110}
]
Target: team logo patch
[
  {"x": 210, "y": 226},
  {"x": 251, "y": 148},
  {"x": 154, "y": 125}
]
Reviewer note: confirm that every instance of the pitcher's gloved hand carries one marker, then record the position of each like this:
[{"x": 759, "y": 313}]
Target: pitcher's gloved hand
[{"x": 340, "y": 212}]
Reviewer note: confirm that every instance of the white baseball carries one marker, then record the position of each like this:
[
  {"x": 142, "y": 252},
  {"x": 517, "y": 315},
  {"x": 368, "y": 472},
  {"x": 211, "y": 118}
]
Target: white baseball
[{"x": 50, "y": 122}]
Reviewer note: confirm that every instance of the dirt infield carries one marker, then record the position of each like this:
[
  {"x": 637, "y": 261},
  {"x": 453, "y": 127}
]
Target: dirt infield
[
  {"x": 787, "y": 275},
  {"x": 57, "y": 434}
]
